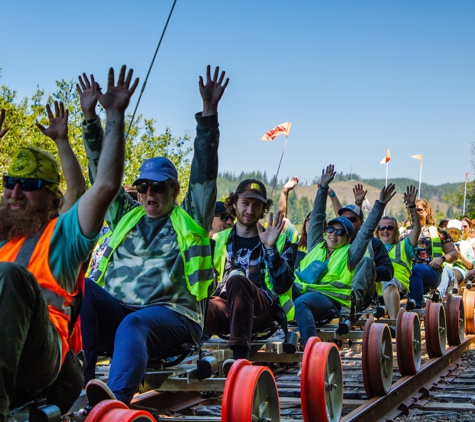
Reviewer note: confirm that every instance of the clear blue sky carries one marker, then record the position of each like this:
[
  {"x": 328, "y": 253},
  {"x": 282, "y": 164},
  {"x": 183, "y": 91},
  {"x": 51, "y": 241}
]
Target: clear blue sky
[{"x": 354, "y": 77}]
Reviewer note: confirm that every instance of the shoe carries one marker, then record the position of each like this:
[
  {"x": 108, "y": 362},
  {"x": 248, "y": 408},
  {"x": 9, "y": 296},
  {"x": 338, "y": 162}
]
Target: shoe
[
  {"x": 97, "y": 391},
  {"x": 227, "y": 366}
]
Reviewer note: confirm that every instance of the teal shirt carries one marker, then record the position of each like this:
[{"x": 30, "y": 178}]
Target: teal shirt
[
  {"x": 410, "y": 251},
  {"x": 69, "y": 249}
]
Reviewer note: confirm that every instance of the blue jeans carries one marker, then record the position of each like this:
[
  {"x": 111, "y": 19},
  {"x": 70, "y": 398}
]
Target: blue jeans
[
  {"x": 423, "y": 277},
  {"x": 313, "y": 308},
  {"x": 132, "y": 336}
]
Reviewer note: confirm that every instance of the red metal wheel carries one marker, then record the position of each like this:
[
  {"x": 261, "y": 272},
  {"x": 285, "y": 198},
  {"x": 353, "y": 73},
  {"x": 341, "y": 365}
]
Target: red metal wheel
[
  {"x": 434, "y": 325},
  {"x": 408, "y": 342},
  {"x": 250, "y": 394},
  {"x": 377, "y": 359},
  {"x": 455, "y": 320},
  {"x": 114, "y": 410},
  {"x": 469, "y": 308},
  {"x": 321, "y": 382}
]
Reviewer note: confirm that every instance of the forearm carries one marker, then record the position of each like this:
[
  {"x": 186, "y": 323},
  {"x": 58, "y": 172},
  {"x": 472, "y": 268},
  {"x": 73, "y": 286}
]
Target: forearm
[
  {"x": 201, "y": 196},
  {"x": 93, "y": 135},
  {"x": 416, "y": 228},
  {"x": 317, "y": 218},
  {"x": 365, "y": 234},
  {"x": 75, "y": 183},
  {"x": 282, "y": 205},
  {"x": 336, "y": 204}
]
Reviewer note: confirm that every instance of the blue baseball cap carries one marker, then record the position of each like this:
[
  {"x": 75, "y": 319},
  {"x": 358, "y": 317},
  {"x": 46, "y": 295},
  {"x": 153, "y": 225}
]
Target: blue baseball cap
[
  {"x": 157, "y": 169},
  {"x": 345, "y": 223}
]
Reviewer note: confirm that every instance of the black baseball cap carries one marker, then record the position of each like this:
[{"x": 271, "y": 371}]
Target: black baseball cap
[{"x": 252, "y": 188}]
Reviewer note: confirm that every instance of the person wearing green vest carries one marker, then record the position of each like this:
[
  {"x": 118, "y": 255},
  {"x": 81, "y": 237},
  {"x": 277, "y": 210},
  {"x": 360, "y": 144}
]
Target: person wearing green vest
[
  {"x": 400, "y": 253},
  {"x": 324, "y": 276},
  {"x": 435, "y": 248},
  {"x": 255, "y": 272},
  {"x": 156, "y": 269}
]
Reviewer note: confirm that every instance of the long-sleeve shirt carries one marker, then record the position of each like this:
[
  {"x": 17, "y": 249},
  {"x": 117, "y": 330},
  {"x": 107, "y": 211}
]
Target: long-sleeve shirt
[
  {"x": 147, "y": 268},
  {"x": 364, "y": 236}
]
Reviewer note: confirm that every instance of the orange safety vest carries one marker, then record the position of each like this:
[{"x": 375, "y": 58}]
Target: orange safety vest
[{"x": 57, "y": 298}]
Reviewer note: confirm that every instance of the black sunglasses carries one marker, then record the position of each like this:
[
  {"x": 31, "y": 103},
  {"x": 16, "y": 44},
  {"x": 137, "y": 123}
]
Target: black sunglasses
[
  {"x": 339, "y": 232},
  {"x": 389, "y": 228},
  {"x": 26, "y": 185},
  {"x": 226, "y": 217},
  {"x": 157, "y": 187},
  {"x": 353, "y": 219}
]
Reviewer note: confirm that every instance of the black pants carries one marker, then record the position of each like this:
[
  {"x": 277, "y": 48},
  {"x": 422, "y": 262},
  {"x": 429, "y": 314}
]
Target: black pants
[{"x": 30, "y": 351}]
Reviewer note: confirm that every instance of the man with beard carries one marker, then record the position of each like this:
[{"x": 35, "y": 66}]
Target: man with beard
[
  {"x": 255, "y": 270},
  {"x": 40, "y": 259},
  {"x": 156, "y": 269}
]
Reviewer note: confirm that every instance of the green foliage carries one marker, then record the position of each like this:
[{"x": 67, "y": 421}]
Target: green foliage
[{"x": 143, "y": 141}]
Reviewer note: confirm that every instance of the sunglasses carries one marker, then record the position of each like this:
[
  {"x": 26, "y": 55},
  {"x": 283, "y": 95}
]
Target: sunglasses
[
  {"x": 339, "y": 232},
  {"x": 464, "y": 227},
  {"x": 353, "y": 219},
  {"x": 226, "y": 217},
  {"x": 26, "y": 185},
  {"x": 157, "y": 187},
  {"x": 388, "y": 228}
]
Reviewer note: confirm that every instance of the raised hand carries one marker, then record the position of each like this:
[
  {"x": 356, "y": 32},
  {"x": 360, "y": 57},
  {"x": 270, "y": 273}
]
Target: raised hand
[
  {"x": 117, "y": 96},
  {"x": 2, "y": 119},
  {"x": 87, "y": 97},
  {"x": 410, "y": 195},
  {"x": 387, "y": 193},
  {"x": 271, "y": 234},
  {"x": 327, "y": 175},
  {"x": 212, "y": 92},
  {"x": 293, "y": 181},
  {"x": 360, "y": 193},
  {"x": 58, "y": 124}
]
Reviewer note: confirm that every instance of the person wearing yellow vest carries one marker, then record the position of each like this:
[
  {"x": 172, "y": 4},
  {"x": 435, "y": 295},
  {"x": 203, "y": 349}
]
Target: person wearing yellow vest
[
  {"x": 254, "y": 270},
  {"x": 156, "y": 270},
  {"x": 324, "y": 276},
  {"x": 400, "y": 253},
  {"x": 40, "y": 259},
  {"x": 435, "y": 248}
]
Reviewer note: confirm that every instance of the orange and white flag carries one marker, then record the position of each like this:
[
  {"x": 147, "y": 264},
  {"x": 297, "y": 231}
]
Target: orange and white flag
[
  {"x": 278, "y": 130},
  {"x": 466, "y": 177},
  {"x": 417, "y": 157},
  {"x": 386, "y": 159}
]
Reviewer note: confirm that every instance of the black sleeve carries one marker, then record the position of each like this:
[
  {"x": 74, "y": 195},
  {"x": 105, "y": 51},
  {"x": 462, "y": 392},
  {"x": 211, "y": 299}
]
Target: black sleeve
[{"x": 384, "y": 266}]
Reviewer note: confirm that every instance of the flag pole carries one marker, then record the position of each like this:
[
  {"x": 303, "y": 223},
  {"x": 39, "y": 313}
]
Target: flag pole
[
  {"x": 465, "y": 194},
  {"x": 420, "y": 181},
  {"x": 387, "y": 166},
  {"x": 278, "y": 168}
]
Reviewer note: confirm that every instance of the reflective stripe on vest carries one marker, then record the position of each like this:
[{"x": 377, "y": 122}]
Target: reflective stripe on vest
[
  {"x": 402, "y": 266},
  {"x": 57, "y": 299},
  {"x": 336, "y": 283},
  {"x": 219, "y": 260},
  {"x": 193, "y": 242},
  {"x": 436, "y": 243}
]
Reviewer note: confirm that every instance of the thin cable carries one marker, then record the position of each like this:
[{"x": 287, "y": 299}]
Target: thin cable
[{"x": 149, "y": 70}]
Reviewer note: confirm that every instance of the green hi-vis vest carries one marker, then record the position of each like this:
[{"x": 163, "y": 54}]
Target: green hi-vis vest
[
  {"x": 221, "y": 239},
  {"x": 193, "y": 242},
  {"x": 437, "y": 250},
  {"x": 401, "y": 264},
  {"x": 336, "y": 283}
]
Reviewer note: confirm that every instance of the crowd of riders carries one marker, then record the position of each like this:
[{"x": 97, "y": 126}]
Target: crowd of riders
[{"x": 129, "y": 273}]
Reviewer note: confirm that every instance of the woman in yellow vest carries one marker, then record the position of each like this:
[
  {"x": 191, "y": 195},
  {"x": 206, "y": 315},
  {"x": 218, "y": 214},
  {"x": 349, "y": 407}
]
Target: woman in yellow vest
[
  {"x": 400, "y": 253},
  {"x": 324, "y": 275},
  {"x": 435, "y": 247}
]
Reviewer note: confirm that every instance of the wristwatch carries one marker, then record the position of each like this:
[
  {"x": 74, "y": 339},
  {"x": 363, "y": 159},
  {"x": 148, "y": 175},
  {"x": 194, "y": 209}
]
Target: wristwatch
[{"x": 443, "y": 258}]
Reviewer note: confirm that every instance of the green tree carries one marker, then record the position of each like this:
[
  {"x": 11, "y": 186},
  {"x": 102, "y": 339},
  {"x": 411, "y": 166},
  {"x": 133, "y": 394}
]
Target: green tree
[{"x": 143, "y": 141}]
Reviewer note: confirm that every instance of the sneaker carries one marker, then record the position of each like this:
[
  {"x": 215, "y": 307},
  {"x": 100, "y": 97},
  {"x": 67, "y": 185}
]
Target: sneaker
[
  {"x": 227, "y": 366},
  {"x": 97, "y": 391}
]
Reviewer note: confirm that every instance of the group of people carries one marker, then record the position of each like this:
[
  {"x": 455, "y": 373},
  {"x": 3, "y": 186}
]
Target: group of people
[{"x": 166, "y": 273}]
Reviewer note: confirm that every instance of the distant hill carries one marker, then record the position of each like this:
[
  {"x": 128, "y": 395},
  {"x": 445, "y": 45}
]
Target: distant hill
[{"x": 301, "y": 200}]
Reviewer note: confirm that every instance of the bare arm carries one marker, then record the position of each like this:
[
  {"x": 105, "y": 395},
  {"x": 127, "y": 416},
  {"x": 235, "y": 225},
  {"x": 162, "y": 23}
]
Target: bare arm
[
  {"x": 336, "y": 204},
  {"x": 58, "y": 132},
  {"x": 93, "y": 205},
  {"x": 284, "y": 197},
  {"x": 410, "y": 199}
]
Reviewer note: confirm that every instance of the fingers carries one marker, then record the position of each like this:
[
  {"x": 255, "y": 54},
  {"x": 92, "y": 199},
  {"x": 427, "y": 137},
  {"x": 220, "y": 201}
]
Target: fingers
[
  {"x": 49, "y": 112},
  {"x": 208, "y": 73},
  {"x": 97, "y": 90},
  {"x": 226, "y": 83},
  {"x": 56, "y": 109},
  {"x": 41, "y": 128},
  {"x": 110, "y": 79},
  {"x": 216, "y": 72},
  {"x": 271, "y": 219},
  {"x": 120, "y": 80},
  {"x": 134, "y": 86}
]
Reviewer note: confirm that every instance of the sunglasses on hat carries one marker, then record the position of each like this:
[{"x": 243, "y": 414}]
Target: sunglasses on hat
[
  {"x": 353, "y": 219},
  {"x": 25, "y": 184},
  {"x": 157, "y": 187}
]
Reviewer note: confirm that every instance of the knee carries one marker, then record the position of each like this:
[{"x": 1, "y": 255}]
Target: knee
[
  {"x": 15, "y": 279},
  {"x": 237, "y": 285}
]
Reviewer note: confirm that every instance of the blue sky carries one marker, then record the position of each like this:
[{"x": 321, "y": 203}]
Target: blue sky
[{"x": 354, "y": 77}]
